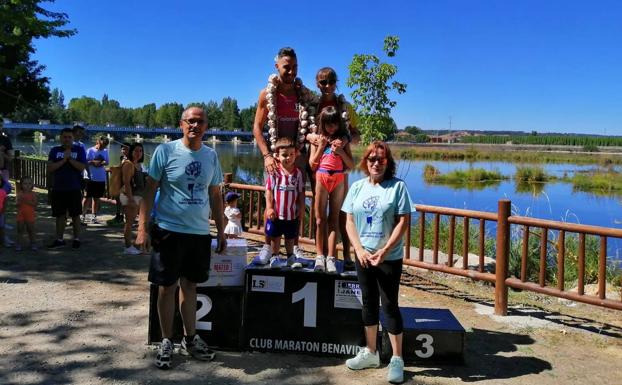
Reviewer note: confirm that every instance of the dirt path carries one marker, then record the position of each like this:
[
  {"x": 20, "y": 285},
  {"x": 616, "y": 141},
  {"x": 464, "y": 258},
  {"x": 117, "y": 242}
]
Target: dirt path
[{"x": 80, "y": 317}]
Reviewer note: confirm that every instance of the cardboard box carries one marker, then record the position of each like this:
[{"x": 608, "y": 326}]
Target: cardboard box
[{"x": 227, "y": 269}]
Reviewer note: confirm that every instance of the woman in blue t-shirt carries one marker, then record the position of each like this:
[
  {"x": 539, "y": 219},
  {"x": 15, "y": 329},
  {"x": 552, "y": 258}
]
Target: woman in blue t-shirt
[{"x": 377, "y": 209}]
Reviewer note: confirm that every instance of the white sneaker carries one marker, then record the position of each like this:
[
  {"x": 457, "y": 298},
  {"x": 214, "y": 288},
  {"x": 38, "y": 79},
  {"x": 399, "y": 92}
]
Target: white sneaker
[
  {"x": 94, "y": 220},
  {"x": 298, "y": 252},
  {"x": 275, "y": 262},
  {"x": 395, "y": 374},
  {"x": 320, "y": 263},
  {"x": 293, "y": 263},
  {"x": 264, "y": 254},
  {"x": 364, "y": 360},
  {"x": 331, "y": 265},
  {"x": 131, "y": 251}
]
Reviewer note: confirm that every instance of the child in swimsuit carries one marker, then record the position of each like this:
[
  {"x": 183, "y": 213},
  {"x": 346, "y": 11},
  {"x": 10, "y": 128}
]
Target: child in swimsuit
[
  {"x": 330, "y": 157},
  {"x": 26, "y": 206}
]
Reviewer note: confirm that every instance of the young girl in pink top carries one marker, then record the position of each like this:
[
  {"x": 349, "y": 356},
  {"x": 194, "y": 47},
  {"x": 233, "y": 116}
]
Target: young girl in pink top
[
  {"x": 329, "y": 158},
  {"x": 26, "y": 206}
]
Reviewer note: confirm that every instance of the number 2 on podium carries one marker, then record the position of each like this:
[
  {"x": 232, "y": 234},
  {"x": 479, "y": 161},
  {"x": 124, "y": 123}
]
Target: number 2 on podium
[{"x": 308, "y": 294}]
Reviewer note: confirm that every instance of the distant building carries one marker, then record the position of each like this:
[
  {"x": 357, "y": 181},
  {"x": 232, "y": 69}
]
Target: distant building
[{"x": 451, "y": 137}]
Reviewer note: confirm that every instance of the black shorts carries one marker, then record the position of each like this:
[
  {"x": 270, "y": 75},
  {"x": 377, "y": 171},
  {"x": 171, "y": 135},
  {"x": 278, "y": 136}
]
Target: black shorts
[
  {"x": 95, "y": 189},
  {"x": 64, "y": 202},
  {"x": 178, "y": 255},
  {"x": 276, "y": 228}
]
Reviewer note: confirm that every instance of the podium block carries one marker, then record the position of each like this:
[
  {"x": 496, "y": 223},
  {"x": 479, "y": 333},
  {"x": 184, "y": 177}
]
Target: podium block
[
  {"x": 302, "y": 311},
  {"x": 227, "y": 268},
  {"x": 219, "y": 317},
  {"x": 430, "y": 335}
]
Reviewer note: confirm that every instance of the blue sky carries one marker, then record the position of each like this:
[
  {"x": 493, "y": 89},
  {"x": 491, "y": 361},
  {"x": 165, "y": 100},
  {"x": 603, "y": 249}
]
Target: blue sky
[{"x": 544, "y": 65}]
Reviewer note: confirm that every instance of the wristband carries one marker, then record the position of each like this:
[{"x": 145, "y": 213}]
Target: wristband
[{"x": 266, "y": 155}]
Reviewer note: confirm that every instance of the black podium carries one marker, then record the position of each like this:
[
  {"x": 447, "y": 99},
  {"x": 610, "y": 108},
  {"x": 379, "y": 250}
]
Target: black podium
[
  {"x": 219, "y": 317},
  {"x": 430, "y": 335},
  {"x": 302, "y": 311}
]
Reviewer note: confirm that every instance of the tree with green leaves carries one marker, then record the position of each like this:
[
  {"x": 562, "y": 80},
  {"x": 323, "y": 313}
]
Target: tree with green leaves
[
  {"x": 24, "y": 90},
  {"x": 230, "y": 114},
  {"x": 214, "y": 114},
  {"x": 57, "y": 106},
  {"x": 247, "y": 117},
  {"x": 413, "y": 130},
  {"x": 168, "y": 115},
  {"x": 371, "y": 81}
]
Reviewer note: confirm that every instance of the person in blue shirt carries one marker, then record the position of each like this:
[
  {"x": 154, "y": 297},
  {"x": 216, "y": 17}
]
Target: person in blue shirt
[
  {"x": 66, "y": 163},
  {"x": 377, "y": 209},
  {"x": 189, "y": 176}
]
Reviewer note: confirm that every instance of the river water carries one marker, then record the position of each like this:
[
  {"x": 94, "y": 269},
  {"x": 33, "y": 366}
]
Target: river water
[{"x": 555, "y": 201}]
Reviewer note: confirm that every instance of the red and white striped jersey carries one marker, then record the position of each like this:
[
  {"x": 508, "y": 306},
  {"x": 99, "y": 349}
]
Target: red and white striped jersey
[{"x": 285, "y": 189}]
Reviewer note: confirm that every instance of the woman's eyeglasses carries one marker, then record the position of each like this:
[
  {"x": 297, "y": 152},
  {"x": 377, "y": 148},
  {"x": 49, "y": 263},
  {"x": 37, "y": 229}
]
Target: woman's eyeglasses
[
  {"x": 326, "y": 82},
  {"x": 374, "y": 159}
]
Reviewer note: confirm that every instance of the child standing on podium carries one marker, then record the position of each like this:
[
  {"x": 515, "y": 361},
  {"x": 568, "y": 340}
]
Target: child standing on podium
[{"x": 284, "y": 202}]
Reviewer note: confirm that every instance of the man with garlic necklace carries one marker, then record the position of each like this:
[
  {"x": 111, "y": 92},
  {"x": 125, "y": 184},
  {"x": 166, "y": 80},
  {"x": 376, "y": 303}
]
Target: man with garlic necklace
[{"x": 282, "y": 105}]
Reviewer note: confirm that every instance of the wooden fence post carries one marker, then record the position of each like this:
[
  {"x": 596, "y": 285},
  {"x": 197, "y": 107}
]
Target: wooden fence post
[{"x": 503, "y": 249}]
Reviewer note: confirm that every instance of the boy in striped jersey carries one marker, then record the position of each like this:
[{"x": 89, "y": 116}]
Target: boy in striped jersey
[{"x": 285, "y": 201}]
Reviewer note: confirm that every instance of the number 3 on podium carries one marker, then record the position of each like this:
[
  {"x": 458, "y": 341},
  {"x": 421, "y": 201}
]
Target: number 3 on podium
[{"x": 308, "y": 294}]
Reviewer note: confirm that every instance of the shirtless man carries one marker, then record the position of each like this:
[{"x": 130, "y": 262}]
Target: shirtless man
[{"x": 287, "y": 104}]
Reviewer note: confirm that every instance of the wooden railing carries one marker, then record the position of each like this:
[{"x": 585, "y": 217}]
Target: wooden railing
[{"x": 252, "y": 204}]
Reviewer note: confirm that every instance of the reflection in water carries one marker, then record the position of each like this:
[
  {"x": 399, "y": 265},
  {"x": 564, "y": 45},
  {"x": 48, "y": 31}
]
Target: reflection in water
[
  {"x": 464, "y": 184},
  {"x": 533, "y": 188}
]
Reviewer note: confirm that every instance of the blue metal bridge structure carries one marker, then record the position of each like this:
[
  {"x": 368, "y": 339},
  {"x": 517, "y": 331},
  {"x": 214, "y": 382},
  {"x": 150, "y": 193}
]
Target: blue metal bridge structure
[{"x": 13, "y": 129}]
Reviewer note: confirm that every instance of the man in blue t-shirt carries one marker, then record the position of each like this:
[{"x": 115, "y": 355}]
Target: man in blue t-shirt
[
  {"x": 189, "y": 176},
  {"x": 66, "y": 163},
  {"x": 97, "y": 158}
]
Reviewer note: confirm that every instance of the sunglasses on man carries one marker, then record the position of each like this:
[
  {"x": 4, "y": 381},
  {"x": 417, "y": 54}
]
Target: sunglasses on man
[{"x": 326, "y": 82}]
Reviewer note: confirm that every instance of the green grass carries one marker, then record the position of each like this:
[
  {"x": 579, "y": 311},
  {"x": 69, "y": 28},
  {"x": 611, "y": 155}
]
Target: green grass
[
  {"x": 599, "y": 182},
  {"x": 532, "y": 174},
  {"x": 471, "y": 178},
  {"x": 477, "y": 154}
]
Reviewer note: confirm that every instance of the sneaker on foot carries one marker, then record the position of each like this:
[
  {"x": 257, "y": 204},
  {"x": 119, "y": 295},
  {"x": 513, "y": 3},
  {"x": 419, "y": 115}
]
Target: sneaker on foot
[
  {"x": 131, "y": 250},
  {"x": 298, "y": 252},
  {"x": 331, "y": 265},
  {"x": 94, "y": 220},
  {"x": 395, "y": 374},
  {"x": 18, "y": 247},
  {"x": 165, "y": 351},
  {"x": 264, "y": 254},
  {"x": 293, "y": 263},
  {"x": 275, "y": 262},
  {"x": 320, "y": 263},
  {"x": 56, "y": 244},
  {"x": 75, "y": 244},
  {"x": 196, "y": 348},
  {"x": 364, "y": 360}
]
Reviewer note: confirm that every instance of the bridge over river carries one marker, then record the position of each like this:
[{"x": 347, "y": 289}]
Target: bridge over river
[{"x": 14, "y": 129}]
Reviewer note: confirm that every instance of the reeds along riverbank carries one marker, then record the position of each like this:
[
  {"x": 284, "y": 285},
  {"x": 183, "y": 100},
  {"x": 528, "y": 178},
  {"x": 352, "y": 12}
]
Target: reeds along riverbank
[
  {"x": 473, "y": 177},
  {"x": 506, "y": 155}
]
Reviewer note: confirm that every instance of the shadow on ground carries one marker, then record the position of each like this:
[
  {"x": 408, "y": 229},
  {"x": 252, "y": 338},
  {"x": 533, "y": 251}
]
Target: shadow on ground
[
  {"x": 485, "y": 358},
  {"x": 571, "y": 321}
]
